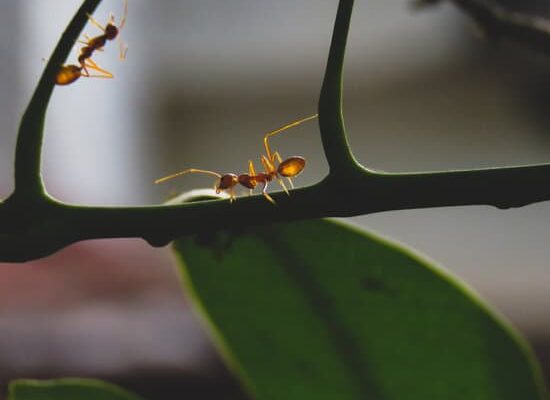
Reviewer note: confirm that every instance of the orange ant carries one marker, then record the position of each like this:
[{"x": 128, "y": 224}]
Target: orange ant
[
  {"x": 274, "y": 168},
  {"x": 69, "y": 73}
]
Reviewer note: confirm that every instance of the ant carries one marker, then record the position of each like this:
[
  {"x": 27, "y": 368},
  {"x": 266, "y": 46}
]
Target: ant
[
  {"x": 274, "y": 168},
  {"x": 67, "y": 74}
]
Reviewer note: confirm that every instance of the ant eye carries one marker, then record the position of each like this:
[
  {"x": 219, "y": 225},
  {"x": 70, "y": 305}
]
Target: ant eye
[{"x": 291, "y": 166}]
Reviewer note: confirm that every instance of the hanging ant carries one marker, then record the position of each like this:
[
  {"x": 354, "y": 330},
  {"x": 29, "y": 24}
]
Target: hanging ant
[
  {"x": 67, "y": 74},
  {"x": 274, "y": 168}
]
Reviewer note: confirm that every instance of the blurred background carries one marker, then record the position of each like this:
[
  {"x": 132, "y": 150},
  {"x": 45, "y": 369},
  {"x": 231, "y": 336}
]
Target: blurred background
[{"x": 202, "y": 81}]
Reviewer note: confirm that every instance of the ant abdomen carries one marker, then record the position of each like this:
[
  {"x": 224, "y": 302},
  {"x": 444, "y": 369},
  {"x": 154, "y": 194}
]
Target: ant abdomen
[
  {"x": 68, "y": 74},
  {"x": 291, "y": 167}
]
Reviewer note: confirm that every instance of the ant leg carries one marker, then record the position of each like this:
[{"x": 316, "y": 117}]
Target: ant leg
[
  {"x": 251, "y": 170},
  {"x": 86, "y": 41},
  {"x": 268, "y": 165},
  {"x": 86, "y": 74},
  {"x": 92, "y": 65},
  {"x": 93, "y": 21},
  {"x": 271, "y": 170},
  {"x": 290, "y": 182},
  {"x": 281, "y": 129},
  {"x": 277, "y": 156},
  {"x": 252, "y": 174},
  {"x": 266, "y": 195},
  {"x": 280, "y": 181}
]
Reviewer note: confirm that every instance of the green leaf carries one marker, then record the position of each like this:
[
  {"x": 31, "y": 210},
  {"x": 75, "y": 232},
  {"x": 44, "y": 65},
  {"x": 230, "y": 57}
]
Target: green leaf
[
  {"x": 319, "y": 310},
  {"x": 67, "y": 389}
]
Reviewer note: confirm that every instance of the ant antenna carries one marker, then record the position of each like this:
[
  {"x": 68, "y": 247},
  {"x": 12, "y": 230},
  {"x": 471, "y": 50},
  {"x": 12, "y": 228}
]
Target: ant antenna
[
  {"x": 123, "y": 47},
  {"x": 281, "y": 129},
  {"x": 124, "y": 15},
  {"x": 187, "y": 171}
]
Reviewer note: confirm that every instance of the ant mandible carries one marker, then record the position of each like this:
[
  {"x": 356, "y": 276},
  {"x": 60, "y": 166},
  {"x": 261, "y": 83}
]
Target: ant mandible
[
  {"x": 67, "y": 74},
  {"x": 274, "y": 168}
]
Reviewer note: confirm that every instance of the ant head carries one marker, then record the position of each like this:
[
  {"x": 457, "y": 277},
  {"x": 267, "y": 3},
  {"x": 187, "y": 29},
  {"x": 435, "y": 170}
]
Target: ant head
[
  {"x": 292, "y": 166},
  {"x": 247, "y": 181},
  {"x": 111, "y": 31},
  {"x": 227, "y": 181}
]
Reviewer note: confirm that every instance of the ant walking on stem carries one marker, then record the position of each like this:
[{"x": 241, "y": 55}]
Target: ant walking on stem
[
  {"x": 67, "y": 74},
  {"x": 274, "y": 168}
]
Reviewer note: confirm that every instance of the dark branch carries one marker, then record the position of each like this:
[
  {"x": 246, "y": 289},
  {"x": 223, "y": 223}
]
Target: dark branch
[{"x": 56, "y": 225}]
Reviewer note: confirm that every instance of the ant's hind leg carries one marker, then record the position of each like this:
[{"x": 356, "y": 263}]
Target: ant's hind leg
[
  {"x": 290, "y": 182},
  {"x": 270, "y": 169},
  {"x": 280, "y": 182},
  {"x": 92, "y": 65},
  {"x": 277, "y": 156}
]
